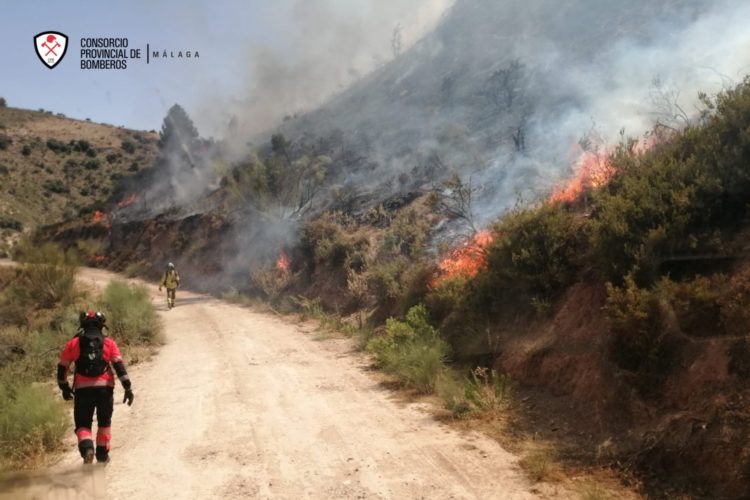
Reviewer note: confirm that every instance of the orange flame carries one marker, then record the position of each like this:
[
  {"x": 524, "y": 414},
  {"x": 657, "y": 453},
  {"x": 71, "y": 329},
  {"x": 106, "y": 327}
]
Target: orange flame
[
  {"x": 466, "y": 260},
  {"x": 283, "y": 263},
  {"x": 592, "y": 171},
  {"x": 100, "y": 216},
  {"x": 128, "y": 201}
]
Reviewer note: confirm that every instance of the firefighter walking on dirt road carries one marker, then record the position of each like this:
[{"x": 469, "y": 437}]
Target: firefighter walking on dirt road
[
  {"x": 170, "y": 281},
  {"x": 93, "y": 388}
]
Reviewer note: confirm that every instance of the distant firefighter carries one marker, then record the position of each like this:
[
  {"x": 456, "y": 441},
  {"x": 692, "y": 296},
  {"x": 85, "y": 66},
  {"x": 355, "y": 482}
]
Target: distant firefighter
[{"x": 170, "y": 281}]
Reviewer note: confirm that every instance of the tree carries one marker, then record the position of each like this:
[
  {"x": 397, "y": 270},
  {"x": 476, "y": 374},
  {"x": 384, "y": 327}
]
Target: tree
[
  {"x": 456, "y": 202},
  {"x": 278, "y": 186},
  {"x": 2, "y": 102},
  {"x": 178, "y": 130}
]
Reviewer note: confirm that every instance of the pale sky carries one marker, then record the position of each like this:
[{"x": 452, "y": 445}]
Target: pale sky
[{"x": 223, "y": 32}]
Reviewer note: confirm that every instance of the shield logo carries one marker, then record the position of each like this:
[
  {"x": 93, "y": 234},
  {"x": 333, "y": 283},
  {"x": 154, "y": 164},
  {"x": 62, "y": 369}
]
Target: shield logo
[{"x": 51, "y": 47}]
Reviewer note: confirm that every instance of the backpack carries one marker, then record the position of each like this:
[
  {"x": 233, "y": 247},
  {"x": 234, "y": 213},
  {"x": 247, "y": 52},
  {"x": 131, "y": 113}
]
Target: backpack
[{"x": 91, "y": 360}]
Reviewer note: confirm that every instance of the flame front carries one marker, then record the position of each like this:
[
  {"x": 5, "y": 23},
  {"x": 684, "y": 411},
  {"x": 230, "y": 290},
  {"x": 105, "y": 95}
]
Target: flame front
[
  {"x": 283, "y": 262},
  {"x": 128, "y": 201},
  {"x": 593, "y": 170},
  {"x": 100, "y": 216},
  {"x": 465, "y": 260}
]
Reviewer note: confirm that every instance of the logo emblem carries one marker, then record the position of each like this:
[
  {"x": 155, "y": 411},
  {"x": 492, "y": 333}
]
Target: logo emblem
[{"x": 51, "y": 47}]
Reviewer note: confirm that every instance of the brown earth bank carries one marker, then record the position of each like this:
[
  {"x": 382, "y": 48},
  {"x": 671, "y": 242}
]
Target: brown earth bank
[
  {"x": 240, "y": 404},
  {"x": 685, "y": 433},
  {"x": 681, "y": 432}
]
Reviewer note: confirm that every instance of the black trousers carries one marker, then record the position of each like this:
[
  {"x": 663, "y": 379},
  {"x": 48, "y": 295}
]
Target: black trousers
[{"x": 90, "y": 399}]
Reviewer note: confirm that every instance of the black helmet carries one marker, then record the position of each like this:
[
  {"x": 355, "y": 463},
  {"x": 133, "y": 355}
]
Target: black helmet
[{"x": 92, "y": 318}]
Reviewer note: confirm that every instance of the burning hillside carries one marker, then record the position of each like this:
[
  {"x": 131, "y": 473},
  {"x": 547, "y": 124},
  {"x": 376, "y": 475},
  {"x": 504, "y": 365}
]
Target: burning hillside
[{"x": 466, "y": 260}]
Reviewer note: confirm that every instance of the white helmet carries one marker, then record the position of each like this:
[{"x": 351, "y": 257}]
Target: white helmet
[{"x": 170, "y": 265}]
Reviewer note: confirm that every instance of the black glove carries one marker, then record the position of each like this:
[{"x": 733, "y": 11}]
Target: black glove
[
  {"x": 67, "y": 392},
  {"x": 128, "y": 397}
]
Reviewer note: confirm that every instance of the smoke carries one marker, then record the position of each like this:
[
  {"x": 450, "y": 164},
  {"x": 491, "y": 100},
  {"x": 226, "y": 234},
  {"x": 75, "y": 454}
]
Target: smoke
[
  {"x": 403, "y": 94},
  {"x": 503, "y": 91},
  {"x": 319, "y": 49}
]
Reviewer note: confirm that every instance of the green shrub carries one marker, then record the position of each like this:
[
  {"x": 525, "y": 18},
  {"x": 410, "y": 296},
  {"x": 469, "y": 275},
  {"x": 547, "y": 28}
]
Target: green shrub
[
  {"x": 55, "y": 186},
  {"x": 134, "y": 167},
  {"x": 131, "y": 316},
  {"x": 696, "y": 305},
  {"x": 128, "y": 146},
  {"x": 4, "y": 170},
  {"x": 407, "y": 234},
  {"x": 5, "y": 141},
  {"x": 487, "y": 389},
  {"x": 32, "y": 422},
  {"x": 82, "y": 146},
  {"x": 686, "y": 196},
  {"x": 3, "y": 103},
  {"x": 385, "y": 279},
  {"x": 46, "y": 278},
  {"x": 483, "y": 390},
  {"x": 452, "y": 391},
  {"x": 328, "y": 245},
  {"x": 92, "y": 164},
  {"x": 91, "y": 153},
  {"x": 412, "y": 350},
  {"x": 735, "y": 304},
  {"x": 58, "y": 146},
  {"x": 446, "y": 296},
  {"x": 10, "y": 223},
  {"x": 26, "y": 150},
  {"x": 538, "y": 250},
  {"x": 643, "y": 342}
]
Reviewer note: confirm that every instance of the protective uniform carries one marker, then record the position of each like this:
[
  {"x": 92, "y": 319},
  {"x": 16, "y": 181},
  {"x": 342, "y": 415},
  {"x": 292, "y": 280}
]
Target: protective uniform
[
  {"x": 94, "y": 356},
  {"x": 170, "y": 281}
]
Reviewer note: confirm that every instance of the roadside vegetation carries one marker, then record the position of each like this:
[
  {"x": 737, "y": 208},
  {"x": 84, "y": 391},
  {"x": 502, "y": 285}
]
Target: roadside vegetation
[
  {"x": 664, "y": 239},
  {"x": 39, "y": 305}
]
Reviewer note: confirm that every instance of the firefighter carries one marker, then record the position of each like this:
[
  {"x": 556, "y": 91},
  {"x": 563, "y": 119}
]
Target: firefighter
[
  {"x": 94, "y": 355},
  {"x": 170, "y": 281}
]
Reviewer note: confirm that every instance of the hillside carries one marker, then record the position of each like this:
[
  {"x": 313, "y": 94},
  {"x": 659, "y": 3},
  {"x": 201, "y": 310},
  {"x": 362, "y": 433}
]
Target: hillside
[
  {"x": 615, "y": 304},
  {"x": 54, "y": 168}
]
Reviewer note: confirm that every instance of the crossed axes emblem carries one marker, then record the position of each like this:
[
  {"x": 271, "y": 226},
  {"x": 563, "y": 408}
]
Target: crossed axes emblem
[{"x": 51, "y": 50}]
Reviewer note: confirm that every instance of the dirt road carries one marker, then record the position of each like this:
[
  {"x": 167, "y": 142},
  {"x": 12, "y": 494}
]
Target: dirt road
[{"x": 239, "y": 404}]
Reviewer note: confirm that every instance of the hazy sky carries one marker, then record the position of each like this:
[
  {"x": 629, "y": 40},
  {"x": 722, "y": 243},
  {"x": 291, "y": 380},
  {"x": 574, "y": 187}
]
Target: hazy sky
[{"x": 226, "y": 33}]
